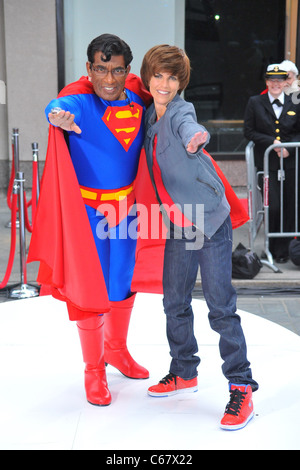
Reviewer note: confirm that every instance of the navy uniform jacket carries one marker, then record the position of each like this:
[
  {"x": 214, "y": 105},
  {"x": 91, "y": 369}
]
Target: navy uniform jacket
[{"x": 262, "y": 127}]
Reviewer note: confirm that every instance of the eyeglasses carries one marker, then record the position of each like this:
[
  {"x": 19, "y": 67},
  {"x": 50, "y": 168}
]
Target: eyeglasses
[{"x": 103, "y": 71}]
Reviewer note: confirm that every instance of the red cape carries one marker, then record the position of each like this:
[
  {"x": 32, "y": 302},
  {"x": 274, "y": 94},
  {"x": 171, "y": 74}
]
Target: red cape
[{"x": 62, "y": 240}]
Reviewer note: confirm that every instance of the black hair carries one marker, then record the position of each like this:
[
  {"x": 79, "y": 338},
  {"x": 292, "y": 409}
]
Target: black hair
[{"x": 110, "y": 45}]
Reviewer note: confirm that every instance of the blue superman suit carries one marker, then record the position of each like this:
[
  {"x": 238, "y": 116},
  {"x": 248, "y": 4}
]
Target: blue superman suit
[{"x": 105, "y": 157}]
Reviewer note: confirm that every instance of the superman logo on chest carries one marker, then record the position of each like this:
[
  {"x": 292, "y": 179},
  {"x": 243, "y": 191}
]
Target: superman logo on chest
[{"x": 124, "y": 122}]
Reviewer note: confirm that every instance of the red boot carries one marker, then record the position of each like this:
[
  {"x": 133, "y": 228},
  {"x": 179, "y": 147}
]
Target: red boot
[
  {"x": 115, "y": 340},
  {"x": 91, "y": 334}
]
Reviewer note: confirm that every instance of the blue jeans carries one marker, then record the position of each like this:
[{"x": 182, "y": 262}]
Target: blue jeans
[{"x": 179, "y": 277}]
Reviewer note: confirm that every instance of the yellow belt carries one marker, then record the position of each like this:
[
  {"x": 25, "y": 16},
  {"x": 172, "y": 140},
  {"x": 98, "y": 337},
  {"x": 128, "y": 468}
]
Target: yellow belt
[{"x": 106, "y": 195}]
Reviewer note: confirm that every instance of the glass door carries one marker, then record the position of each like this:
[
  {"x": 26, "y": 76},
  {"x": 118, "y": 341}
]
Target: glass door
[{"x": 230, "y": 43}]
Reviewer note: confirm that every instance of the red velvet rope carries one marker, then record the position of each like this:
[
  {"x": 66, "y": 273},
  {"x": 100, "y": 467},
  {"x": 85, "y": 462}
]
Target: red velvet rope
[
  {"x": 32, "y": 202},
  {"x": 13, "y": 200},
  {"x": 12, "y": 178},
  {"x": 27, "y": 222}
]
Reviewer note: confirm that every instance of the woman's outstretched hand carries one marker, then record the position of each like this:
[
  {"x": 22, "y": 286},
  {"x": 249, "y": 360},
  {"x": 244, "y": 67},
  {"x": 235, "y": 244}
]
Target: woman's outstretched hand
[{"x": 196, "y": 141}]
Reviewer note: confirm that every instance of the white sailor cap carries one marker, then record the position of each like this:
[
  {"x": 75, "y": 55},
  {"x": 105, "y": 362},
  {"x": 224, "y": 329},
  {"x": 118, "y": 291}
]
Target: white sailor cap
[
  {"x": 289, "y": 66},
  {"x": 275, "y": 71}
]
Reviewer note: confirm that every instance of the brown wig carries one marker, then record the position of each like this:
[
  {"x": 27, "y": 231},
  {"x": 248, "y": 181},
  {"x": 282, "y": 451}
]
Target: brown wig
[{"x": 165, "y": 58}]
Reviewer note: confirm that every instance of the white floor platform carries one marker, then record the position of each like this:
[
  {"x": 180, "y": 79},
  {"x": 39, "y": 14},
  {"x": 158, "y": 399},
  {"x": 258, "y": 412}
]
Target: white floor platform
[{"x": 43, "y": 405}]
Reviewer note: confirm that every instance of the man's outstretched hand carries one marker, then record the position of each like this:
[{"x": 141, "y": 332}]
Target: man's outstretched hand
[{"x": 64, "y": 120}]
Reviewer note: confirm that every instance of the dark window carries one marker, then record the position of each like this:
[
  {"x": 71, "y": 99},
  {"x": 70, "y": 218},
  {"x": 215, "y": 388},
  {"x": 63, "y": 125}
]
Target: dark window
[{"x": 230, "y": 43}]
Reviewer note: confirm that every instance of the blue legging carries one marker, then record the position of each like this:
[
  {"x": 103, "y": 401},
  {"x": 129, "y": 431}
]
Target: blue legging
[{"x": 116, "y": 250}]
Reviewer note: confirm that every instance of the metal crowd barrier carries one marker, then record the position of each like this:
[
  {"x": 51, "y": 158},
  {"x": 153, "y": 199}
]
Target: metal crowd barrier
[
  {"x": 258, "y": 200},
  {"x": 281, "y": 233},
  {"x": 255, "y": 202}
]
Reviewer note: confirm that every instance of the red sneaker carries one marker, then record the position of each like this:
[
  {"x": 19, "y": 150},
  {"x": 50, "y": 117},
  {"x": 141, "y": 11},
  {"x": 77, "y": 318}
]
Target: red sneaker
[
  {"x": 239, "y": 410},
  {"x": 172, "y": 384}
]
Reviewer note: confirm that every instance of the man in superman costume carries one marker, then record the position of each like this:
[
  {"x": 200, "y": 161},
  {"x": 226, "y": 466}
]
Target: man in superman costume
[{"x": 86, "y": 180}]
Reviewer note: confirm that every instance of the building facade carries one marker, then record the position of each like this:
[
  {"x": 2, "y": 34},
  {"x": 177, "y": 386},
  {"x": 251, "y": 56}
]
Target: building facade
[{"x": 43, "y": 46}]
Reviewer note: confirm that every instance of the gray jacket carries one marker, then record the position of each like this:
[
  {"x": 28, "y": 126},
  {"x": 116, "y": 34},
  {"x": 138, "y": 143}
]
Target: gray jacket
[{"x": 190, "y": 179}]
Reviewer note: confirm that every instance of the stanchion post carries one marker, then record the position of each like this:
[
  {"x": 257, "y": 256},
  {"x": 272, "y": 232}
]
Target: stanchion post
[
  {"x": 35, "y": 158},
  {"x": 23, "y": 271},
  {"x": 16, "y": 158},
  {"x": 15, "y": 138},
  {"x": 23, "y": 290},
  {"x": 3, "y": 284}
]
